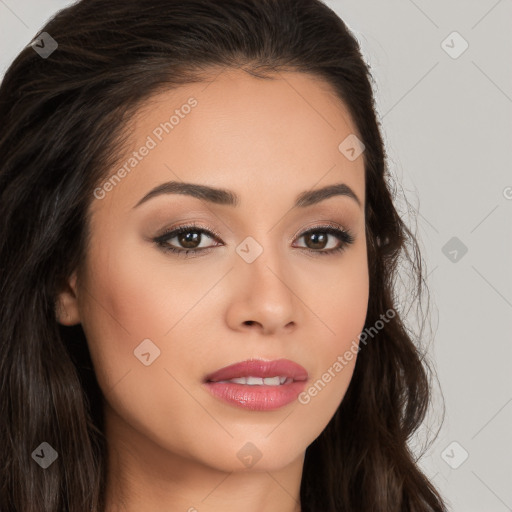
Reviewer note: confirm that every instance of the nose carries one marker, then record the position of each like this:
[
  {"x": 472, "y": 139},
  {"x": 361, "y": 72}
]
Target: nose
[{"x": 263, "y": 298}]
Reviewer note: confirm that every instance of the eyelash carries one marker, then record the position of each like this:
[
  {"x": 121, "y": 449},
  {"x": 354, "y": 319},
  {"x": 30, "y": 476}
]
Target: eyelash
[{"x": 345, "y": 236}]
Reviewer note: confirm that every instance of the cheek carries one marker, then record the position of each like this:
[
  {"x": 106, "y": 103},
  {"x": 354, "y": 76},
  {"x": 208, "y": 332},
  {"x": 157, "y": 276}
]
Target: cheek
[
  {"x": 340, "y": 292},
  {"x": 131, "y": 300},
  {"x": 140, "y": 296},
  {"x": 128, "y": 300},
  {"x": 135, "y": 294},
  {"x": 342, "y": 309}
]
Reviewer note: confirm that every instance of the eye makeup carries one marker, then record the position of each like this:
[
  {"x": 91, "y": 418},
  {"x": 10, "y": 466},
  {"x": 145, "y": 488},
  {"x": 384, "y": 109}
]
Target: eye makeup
[{"x": 323, "y": 231}]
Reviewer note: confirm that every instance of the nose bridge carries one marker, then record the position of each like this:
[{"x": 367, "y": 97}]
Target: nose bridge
[
  {"x": 262, "y": 272},
  {"x": 263, "y": 236},
  {"x": 262, "y": 257}
]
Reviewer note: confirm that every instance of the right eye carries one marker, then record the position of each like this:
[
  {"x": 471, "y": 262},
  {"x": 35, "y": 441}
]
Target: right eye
[{"x": 190, "y": 238}]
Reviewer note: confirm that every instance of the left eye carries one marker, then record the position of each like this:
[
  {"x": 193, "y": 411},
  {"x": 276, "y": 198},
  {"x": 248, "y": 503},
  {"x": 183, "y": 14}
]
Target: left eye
[{"x": 191, "y": 237}]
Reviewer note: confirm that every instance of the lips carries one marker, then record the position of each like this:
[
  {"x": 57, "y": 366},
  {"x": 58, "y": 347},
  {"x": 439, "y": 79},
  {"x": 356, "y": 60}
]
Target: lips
[
  {"x": 257, "y": 385},
  {"x": 260, "y": 369}
]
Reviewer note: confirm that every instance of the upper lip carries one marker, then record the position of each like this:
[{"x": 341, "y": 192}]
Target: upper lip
[{"x": 260, "y": 368}]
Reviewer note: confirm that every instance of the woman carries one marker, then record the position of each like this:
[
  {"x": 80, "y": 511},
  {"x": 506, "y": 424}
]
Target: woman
[{"x": 198, "y": 253}]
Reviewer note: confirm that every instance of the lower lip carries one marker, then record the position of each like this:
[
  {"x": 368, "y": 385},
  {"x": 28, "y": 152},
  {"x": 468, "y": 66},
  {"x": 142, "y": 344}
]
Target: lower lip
[{"x": 256, "y": 398}]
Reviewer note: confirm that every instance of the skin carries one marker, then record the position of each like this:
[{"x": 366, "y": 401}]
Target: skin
[{"x": 172, "y": 445}]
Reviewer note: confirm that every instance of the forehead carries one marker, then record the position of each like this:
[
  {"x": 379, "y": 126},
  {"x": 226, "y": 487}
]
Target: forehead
[{"x": 279, "y": 136}]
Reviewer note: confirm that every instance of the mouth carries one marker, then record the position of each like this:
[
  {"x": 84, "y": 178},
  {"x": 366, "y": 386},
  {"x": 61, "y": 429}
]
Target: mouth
[
  {"x": 256, "y": 384},
  {"x": 257, "y": 372},
  {"x": 258, "y": 381}
]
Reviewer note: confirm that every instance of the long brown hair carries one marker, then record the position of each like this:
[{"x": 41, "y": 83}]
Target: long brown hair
[{"x": 62, "y": 129}]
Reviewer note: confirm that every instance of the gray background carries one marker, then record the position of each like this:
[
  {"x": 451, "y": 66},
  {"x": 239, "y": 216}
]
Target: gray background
[{"x": 446, "y": 118}]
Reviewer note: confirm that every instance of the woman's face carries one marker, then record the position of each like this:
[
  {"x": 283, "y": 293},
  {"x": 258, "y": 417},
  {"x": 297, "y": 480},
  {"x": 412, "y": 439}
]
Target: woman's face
[{"x": 158, "y": 323}]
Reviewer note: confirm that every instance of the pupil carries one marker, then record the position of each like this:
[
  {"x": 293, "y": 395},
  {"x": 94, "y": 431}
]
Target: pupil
[
  {"x": 190, "y": 240},
  {"x": 318, "y": 239}
]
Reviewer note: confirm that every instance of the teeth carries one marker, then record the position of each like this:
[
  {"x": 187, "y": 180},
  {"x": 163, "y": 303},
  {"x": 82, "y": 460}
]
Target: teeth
[{"x": 258, "y": 381}]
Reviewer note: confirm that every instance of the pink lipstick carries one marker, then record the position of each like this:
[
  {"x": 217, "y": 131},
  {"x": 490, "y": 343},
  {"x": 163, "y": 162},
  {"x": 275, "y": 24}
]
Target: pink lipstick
[{"x": 258, "y": 385}]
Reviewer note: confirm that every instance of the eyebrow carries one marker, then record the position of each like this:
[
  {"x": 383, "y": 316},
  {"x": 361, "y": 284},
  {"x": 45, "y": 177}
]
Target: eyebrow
[{"x": 228, "y": 198}]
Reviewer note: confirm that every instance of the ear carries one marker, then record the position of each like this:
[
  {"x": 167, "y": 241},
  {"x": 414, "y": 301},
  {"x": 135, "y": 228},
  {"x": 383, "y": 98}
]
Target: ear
[{"x": 66, "y": 306}]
